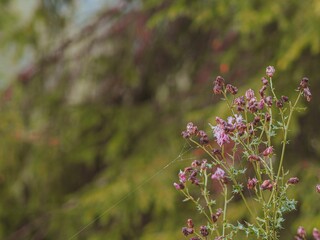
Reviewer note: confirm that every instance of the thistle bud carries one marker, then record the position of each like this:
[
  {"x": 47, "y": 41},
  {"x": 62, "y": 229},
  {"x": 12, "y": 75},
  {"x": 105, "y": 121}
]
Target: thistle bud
[
  {"x": 266, "y": 185},
  {"x": 284, "y": 98},
  {"x": 219, "y": 81},
  {"x": 190, "y": 223},
  {"x": 178, "y": 186},
  {"x": 279, "y": 103},
  {"x": 293, "y": 180},
  {"x": 252, "y": 183},
  {"x": 264, "y": 81},
  {"x": 303, "y": 83},
  {"x": 268, "y": 151},
  {"x": 253, "y": 158}
]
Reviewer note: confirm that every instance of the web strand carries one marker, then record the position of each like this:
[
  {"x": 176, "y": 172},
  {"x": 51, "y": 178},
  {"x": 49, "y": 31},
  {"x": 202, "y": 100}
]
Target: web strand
[{"x": 183, "y": 151}]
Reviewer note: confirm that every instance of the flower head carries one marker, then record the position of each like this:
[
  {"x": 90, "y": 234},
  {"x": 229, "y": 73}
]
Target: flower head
[
  {"x": 220, "y": 135},
  {"x": 219, "y": 174},
  {"x": 270, "y": 70},
  {"x": 204, "y": 231},
  {"x": 249, "y": 94},
  {"x": 318, "y": 188},
  {"x": 301, "y": 232},
  {"x": 293, "y": 180},
  {"x": 316, "y": 234},
  {"x": 266, "y": 185},
  {"x": 182, "y": 177},
  {"x": 252, "y": 183},
  {"x": 178, "y": 186}
]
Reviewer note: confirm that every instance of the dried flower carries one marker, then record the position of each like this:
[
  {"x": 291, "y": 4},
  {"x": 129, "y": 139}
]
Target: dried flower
[
  {"x": 293, "y": 180},
  {"x": 270, "y": 70}
]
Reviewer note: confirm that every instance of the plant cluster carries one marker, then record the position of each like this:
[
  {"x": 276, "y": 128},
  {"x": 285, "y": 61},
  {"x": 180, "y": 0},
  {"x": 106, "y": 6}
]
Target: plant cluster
[{"x": 242, "y": 163}]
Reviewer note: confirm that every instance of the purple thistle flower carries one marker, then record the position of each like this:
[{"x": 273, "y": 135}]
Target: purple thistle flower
[
  {"x": 260, "y": 104},
  {"x": 270, "y": 70},
  {"x": 219, "y": 174},
  {"x": 318, "y": 188},
  {"x": 220, "y": 135},
  {"x": 182, "y": 177},
  {"x": 301, "y": 232},
  {"x": 316, "y": 234},
  {"x": 249, "y": 94},
  {"x": 178, "y": 186},
  {"x": 239, "y": 118}
]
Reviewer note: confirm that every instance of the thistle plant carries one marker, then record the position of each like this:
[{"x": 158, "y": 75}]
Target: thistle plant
[{"x": 241, "y": 162}]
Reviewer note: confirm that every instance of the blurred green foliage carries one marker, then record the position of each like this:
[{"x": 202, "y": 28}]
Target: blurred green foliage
[{"x": 93, "y": 116}]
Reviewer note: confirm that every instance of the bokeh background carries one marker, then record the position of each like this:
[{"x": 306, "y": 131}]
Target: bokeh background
[{"x": 95, "y": 94}]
